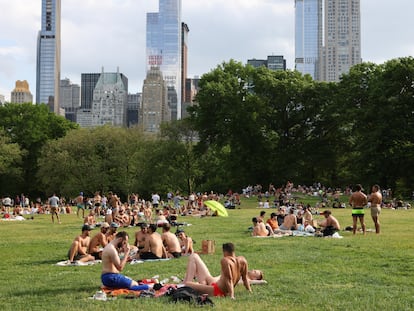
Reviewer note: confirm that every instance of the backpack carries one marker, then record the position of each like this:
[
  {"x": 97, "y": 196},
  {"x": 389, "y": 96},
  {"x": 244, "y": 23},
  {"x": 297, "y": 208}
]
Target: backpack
[{"x": 188, "y": 294}]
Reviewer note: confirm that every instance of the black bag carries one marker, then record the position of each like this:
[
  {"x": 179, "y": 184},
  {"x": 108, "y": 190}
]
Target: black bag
[{"x": 188, "y": 294}]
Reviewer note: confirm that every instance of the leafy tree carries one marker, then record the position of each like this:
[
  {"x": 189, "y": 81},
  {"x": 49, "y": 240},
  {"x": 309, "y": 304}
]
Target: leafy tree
[
  {"x": 31, "y": 126},
  {"x": 10, "y": 164}
]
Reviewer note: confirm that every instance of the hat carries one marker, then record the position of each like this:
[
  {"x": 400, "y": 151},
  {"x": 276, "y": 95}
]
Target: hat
[
  {"x": 81, "y": 193},
  {"x": 327, "y": 212},
  {"x": 114, "y": 225},
  {"x": 104, "y": 225},
  {"x": 144, "y": 225},
  {"x": 86, "y": 228}
]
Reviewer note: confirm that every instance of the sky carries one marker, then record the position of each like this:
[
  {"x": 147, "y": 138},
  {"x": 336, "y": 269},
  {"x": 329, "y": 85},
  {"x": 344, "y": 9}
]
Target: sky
[{"x": 111, "y": 34}]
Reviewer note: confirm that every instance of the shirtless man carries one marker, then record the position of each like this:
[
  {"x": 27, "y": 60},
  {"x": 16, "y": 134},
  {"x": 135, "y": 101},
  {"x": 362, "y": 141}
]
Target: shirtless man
[
  {"x": 259, "y": 228},
  {"x": 376, "y": 199},
  {"x": 186, "y": 243},
  {"x": 358, "y": 200},
  {"x": 97, "y": 202},
  {"x": 232, "y": 270},
  {"x": 330, "y": 224},
  {"x": 79, "y": 247},
  {"x": 170, "y": 241},
  {"x": 110, "y": 234},
  {"x": 80, "y": 205},
  {"x": 90, "y": 219},
  {"x": 290, "y": 221},
  {"x": 153, "y": 248},
  {"x": 112, "y": 265},
  {"x": 141, "y": 236},
  {"x": 98, "y": 242}
]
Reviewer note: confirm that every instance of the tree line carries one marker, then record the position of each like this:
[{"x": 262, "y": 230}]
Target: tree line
[{"x": 250, "y": 125}]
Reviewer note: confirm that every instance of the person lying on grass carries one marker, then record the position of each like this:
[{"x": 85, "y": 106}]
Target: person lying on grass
[{"x": 234, "y": 270}]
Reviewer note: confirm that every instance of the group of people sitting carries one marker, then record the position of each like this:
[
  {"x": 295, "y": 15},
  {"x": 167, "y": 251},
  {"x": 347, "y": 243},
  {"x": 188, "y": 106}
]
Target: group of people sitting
[
  {"x": 294, "y": 219},
  {"x": 149, "y": 244}
]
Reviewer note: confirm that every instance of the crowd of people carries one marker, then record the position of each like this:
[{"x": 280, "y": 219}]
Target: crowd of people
[{"x": 112, "y": 245}]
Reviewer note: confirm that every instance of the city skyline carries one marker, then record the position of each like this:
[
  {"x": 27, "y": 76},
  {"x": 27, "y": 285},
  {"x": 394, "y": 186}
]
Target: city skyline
[{"x": 219, "y": 31}]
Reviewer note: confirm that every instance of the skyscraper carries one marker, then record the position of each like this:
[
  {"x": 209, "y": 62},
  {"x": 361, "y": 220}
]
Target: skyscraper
[
  {"x": 88, "y": 83},
  {"x": 163, "y": 47},
  {"x": 110, "y": 100},
  {"x": 155, "y": 109},
  {"x": 308, "y": 36},
  {"x": 21, "y": 93},
  {"x": 342, "y": 33},
  {"x": 69, "y": 98},
  {"x": 48, "y": 55},
  {"x": 327, "y": 37}
]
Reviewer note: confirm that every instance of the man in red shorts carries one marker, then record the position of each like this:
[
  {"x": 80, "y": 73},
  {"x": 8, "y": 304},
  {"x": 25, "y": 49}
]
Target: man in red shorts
[{"x": 232, "y": 270}]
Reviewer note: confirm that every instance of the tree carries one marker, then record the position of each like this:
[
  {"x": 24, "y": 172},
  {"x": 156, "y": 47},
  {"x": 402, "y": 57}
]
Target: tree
[
  {"x": 10, "y": 164},
  {"x": 31, "y": 126}
]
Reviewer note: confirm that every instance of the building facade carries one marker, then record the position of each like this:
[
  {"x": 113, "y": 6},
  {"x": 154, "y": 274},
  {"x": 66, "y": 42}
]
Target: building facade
[
  {"x": 88, "y": 83},
  {"x": 164, "y": 47},
  {"x": 48, "y": 55},
  {"x": 69, "y": 98},
  {"x": 134, "y": 104},
  {"x": 2, "y": 100},
  {"x": 21, "y": 93},
  {"x": 308, "y": 36},
  {"x": 342, "y": 33},
  {"x": 155, "y": 109},
  {"x": 273, "y": 62},
  {"x": 110, "y": 100},
  {"x": 327, "y": 37}
]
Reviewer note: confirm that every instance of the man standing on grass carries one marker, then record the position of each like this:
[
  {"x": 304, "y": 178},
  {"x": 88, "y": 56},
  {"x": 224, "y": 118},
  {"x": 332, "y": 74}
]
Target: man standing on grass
[
  {"x": 54, "y": 207},
  {"x": 358, "y": 200},
  {"x": 232, "y": 270},
  {"x": 376, "y": 199}
]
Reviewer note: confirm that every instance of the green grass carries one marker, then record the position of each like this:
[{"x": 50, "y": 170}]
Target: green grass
[{"x": 354, "y": 273}]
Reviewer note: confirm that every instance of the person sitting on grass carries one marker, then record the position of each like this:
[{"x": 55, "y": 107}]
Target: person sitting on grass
[
  {"x": 259, "y": 228},
  {"x": 233, "y": 270},
  {"x": 170, "y": 241},
  {"x": 272, "y": 222},
  {"x": 98, "y": 242},
  {"x": 153, "y": 248},
  {"x": 290, "y": 221},
  {"x": 112, "y": 265},
  {"x": 330, "y": 224},
  {"x": 79, "y": 248},
  {"x": 186, "y": 243}
]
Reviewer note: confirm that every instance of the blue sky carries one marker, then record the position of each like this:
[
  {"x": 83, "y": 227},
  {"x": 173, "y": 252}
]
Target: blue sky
[{"x": 111, "y": 33}]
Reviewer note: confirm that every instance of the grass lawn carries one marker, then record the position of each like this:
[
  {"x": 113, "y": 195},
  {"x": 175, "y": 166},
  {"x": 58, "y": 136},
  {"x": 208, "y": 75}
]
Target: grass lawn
[{"x": 304, "y": 273}]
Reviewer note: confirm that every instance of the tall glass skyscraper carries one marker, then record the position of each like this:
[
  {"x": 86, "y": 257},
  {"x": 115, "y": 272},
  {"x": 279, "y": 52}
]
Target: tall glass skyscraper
[
  {"x": 327, "y": 37},
  {"x": 308, "y": 36},
  {"x": 164, "y": 47},
  {"x": 48, "y": 55}
]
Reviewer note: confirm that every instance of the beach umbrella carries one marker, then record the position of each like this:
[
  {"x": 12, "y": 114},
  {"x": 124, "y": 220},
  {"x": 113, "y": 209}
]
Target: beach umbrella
[{"x": 216, "y": 207}]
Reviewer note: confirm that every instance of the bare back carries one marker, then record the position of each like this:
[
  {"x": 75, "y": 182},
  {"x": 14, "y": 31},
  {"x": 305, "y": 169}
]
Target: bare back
[
  {"x": 358, "y": 199},
  {"x": 171, "y": 242},
  {"x": 232, "y": 270},
  {"x": 110, "y": 259},
  {"x": 98, "y": 241}
]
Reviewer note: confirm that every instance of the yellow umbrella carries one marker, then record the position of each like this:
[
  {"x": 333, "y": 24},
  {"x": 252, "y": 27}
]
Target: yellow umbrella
[{"x": 216, "y": 207}]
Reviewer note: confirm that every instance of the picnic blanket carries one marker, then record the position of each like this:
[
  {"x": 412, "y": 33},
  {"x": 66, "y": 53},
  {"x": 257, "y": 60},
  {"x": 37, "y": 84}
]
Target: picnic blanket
[
  {"x": 77, "y": 263},
  {"x": 138, "y": 261},
  {"x": 106, "y": 293}
]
